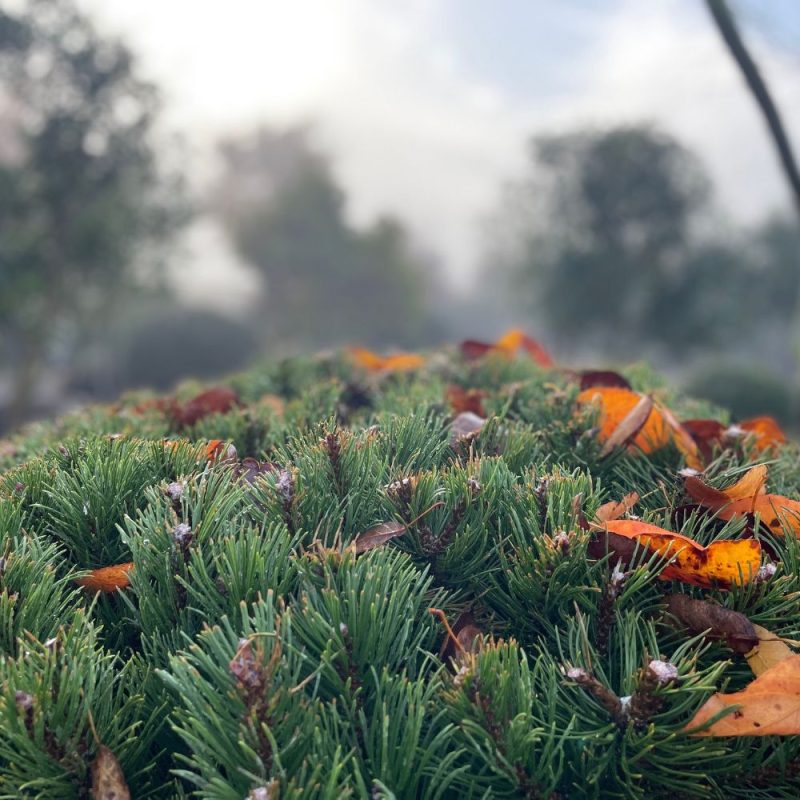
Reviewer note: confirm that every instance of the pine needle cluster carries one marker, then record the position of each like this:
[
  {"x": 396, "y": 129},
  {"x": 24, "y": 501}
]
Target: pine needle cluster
[{"x": 257, "y": 651}]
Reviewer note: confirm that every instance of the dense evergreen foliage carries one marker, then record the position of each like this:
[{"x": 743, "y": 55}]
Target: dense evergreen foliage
[{"x": 257, "y": 653}]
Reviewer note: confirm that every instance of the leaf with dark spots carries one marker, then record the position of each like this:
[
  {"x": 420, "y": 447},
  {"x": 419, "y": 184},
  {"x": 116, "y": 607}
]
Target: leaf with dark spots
[
  {"x": 747, "y": 498},
  {"x": 108, "y": 779},
  {"x": 378, "y": 535},
  {"x": 702, "y": 616},
  {"x": 768, "y": 706},
  {"x": 721, "y": 564}
]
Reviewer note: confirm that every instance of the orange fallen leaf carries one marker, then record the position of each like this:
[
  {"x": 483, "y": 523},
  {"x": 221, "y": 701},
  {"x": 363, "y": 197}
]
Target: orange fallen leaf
[
  {"x": 107, "y": 579},
  {"x": 397, "y": 362},
  {"x": 660, "y": 428},
  {"x": 770, "y": 650},
  {"x": 629, "y": 426},
  {"x": 614, "y": 509},
  {"x": 766, "y": 432},
  {"x": 748, "y": 496},
  {"x": 219, "y": 450},
  {"x": 721, "y": 564},
  {"x": 768, "y": 706},
  {"x": 509, "y": 344}
]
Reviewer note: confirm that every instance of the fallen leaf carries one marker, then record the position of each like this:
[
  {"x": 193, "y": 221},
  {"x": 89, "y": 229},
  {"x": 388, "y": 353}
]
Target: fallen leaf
[
  {"x": 468, "y": 638},
  {"x": 219, "y": 450},
  {"x": 707, "y": 434},
  {"x": 219, "y": 400},
  {"x": 768, "y": 706},
  {"x": 588, "y": 379},
  {"x": 379, "y": 535},
  {"x": 615, "y": 406},
  {"x": 747, "y": 497},
  {"x": 703, "y": 616},
  {"x": 397, "y": 362},
  {"x": 508, "y": 344},
  {"x": 461, "y": 399},
  {"x": 721, "y": 564},
  {"x": 616, "y": 508},
  {"x": 683, "y": 440},
  {"x": 770, "y": 650},
  {"x": 107, "y": 579},
  {"x": 465, "y": 424},
  {"x": 766, "y": 432},
  {"x": 108, "y": 780},
  {"x": 630, "y": 425}
]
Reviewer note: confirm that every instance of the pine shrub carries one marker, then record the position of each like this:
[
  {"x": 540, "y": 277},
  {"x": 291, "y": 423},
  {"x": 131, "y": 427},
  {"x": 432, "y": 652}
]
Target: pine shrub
[{"x": 267, "y": 643}]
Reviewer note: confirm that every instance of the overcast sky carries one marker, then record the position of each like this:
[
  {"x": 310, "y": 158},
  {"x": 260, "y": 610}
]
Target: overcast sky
[{"x": 425, "y": 105}]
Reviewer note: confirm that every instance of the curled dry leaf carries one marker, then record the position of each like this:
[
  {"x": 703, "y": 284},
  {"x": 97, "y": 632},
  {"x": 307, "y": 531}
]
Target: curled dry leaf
[
  {"x": 397, "y": 362},
  {"x": 769, "y": 650},
  {"x": 702, "y": 616},
  {"x": 465, "y": 424},
  {"x": 108, "y": 780},
  {"x": 379, "y": 535},
  {"x": 107, "y": 579},
  {"x": 629, "y": 426},
  {"x": 620, "y": 406},
  {"x": 721, "y": 564},
  {"x": 508, "y": 344},
  {"x": 768, "y": 706},
  {"x": 616, "y": 508},
  {"x": 748, "y": 497}
]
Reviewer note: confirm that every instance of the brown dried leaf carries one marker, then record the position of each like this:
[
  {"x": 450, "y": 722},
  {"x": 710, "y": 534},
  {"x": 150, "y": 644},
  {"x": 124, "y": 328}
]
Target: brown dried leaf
[
  {"x": 701, "y": 616},
  {"x": 379, "y": 535},
  {"x": 465, "y": 424},
  {"x": 590, "y": 378},
  {"x": 108, "y": 780}
]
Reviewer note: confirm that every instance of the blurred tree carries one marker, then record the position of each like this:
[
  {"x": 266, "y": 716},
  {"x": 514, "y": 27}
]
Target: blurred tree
[
  {"x": 82, "y": 201},
  {"x": 325, "y": 282},
  {"x": 608, "y": 248}
]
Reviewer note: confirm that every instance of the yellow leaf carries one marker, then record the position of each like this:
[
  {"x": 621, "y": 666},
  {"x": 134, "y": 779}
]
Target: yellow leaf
[{"x": 769, "y": 651}]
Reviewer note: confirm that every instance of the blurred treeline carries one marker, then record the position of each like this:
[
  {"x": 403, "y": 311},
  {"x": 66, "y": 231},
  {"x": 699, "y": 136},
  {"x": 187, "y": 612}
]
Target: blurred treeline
[{"x": 611, "y": 247}]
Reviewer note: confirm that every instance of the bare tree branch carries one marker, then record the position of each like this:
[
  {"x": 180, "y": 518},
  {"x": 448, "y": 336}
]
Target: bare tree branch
[{"x": 730, "y": 34}]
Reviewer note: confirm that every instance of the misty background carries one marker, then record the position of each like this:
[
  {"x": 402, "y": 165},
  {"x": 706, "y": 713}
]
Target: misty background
[{"x": 187, "y": 187}]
